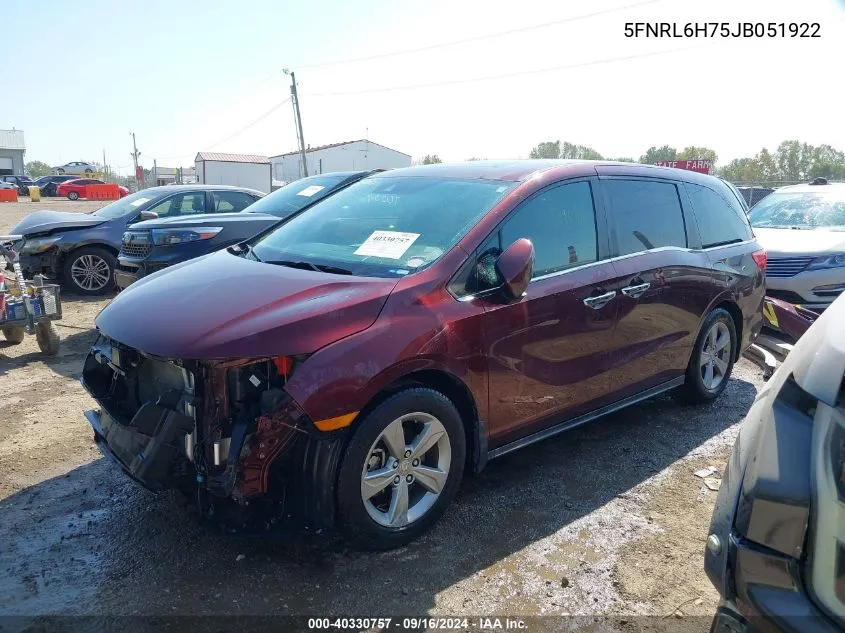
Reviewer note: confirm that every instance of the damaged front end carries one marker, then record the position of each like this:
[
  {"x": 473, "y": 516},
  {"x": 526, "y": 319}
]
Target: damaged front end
[{"x": 224, "y": 432}]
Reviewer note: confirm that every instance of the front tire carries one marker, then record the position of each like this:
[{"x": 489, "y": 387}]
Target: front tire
[
  {"x": 90, "y": 271},
  {"x": 73, "y": 196},
  {"x": 401, "y": 469},
  {"x": 712, "y": 360}
]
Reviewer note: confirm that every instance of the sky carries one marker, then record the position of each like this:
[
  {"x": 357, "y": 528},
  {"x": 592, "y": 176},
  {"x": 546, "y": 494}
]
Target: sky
[{"x": 207, "y": 75}]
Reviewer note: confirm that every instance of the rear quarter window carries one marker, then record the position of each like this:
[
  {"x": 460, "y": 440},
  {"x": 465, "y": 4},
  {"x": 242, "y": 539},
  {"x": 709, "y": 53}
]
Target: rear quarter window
[
  {"x": 719, "y": 222},
  {"x": 646, "y": 214}
]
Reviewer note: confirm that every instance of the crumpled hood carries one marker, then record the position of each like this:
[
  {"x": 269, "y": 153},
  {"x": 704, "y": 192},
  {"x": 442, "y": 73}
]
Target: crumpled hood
[
  {"x": 205, "y": 219},
  {"x": 225, "y": 306},
  {"x": 800, "y": 242},
  {"x": 44, "y": 221}
]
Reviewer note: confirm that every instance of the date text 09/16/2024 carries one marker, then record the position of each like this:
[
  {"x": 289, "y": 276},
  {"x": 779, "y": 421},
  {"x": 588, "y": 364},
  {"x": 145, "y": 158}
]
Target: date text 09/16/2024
[
  {"x": 723, "y": 29},
  {"x": 418, "y": 623}
]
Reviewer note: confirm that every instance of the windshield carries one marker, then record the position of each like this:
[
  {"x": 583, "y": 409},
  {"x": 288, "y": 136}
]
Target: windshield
[
  {"x": 122, "y": 207},
  {"x": 296, "y": 195},
  {"x": 823, "y": 209},
  {"x": 382, "y": 227}
]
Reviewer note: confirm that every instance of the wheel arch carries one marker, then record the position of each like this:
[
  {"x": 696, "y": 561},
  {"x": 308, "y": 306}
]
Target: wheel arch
[
  {"x": 736, "y": 314},
  {"x": 457, "y": 391},
  {"x": 726, "y": 302}
]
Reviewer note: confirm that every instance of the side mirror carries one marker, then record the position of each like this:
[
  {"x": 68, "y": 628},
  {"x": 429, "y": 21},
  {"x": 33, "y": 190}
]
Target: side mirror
[
  {"x": 149, "y": 215},
  {"x": 515, "y": 266}
]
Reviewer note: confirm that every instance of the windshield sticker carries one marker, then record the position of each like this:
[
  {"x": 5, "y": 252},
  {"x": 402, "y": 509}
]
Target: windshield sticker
[
  {"x": 139, "y": 202},
  {"x": 501, "y": 189},
  {"x": 310, "y": 191},
  {"x": 398, "y": 271},
  {"x": 387, "y": 244},
  {"x": 415, "y": 262}
]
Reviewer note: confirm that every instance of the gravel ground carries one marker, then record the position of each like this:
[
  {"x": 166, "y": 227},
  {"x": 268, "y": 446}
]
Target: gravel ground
[{"x": 606, "y": 520}]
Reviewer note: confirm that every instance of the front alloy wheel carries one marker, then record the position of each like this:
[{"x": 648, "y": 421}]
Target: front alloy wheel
[
  {"x": 90, "y": 270},
  {"x": 401, "y": 468},
  {"x": 406, "y": 470}
]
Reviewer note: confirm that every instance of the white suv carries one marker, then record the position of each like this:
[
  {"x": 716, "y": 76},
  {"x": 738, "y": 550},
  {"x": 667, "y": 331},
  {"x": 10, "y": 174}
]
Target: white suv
[{"x": 803, "y": 229}]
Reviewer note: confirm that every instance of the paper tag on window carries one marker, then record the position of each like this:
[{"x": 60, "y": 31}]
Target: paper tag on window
[
  {"x": 310, "y": 191},
  {"x": 388, "y": 244},
  {"x": 139, "y": 202}
]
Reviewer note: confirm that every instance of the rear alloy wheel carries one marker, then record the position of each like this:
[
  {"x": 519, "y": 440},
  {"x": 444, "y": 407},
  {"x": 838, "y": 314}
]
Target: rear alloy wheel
[
  {"x": 712, "y": 359},
  {"x": 90, "y": 270},
  {"x": 73, "y": 196},
  {"x": 401, "y": 470}
]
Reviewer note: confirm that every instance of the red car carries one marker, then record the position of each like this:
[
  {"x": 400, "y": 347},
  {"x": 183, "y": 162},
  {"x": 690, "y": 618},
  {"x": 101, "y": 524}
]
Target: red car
[
  {"x": 75, "y": 189},
  {"x": 349, "y": 366}
]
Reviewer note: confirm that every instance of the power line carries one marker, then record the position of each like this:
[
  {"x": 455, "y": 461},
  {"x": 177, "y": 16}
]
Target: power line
[
  {"x": 249, "y": 125},
  {"x": 518, "y": 73},
  {"x": 478, "y": 38}
]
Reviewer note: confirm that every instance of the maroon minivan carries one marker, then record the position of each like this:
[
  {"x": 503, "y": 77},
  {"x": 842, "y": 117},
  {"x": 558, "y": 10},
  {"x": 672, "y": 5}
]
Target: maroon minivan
[{"x": 348, "y": 367}]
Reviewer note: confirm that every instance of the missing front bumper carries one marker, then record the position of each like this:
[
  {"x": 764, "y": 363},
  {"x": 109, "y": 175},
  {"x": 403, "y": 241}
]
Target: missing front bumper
[{"x": 149, "y": 449}]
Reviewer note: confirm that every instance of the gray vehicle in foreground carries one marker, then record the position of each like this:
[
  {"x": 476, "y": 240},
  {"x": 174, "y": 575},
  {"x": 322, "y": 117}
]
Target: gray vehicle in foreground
[
  {"x": 81, "y": 249},
  {"x": 776, "y": 548}
]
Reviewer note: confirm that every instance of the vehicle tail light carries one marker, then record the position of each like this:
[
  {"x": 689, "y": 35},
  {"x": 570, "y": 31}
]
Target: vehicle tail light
[{"x": 761, "y": 258}]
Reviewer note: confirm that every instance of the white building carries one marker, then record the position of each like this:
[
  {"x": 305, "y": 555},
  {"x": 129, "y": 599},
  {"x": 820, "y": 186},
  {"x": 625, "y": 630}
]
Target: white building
[
  {"x": 349, "y": 156},
  {"x": 240, "y": 170},
  {"x": 12, "y": 150}
]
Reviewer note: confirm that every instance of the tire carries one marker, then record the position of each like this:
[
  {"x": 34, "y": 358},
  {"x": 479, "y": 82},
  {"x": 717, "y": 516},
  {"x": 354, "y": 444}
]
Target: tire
[
  {"x": 89, "y": 171},
  {"x": 704, "y": 385},
  {"x": 48, "y": 338},
  {"x": 366, "y": 523},
  {"x": 60, "y": 172},
  {"x": 14, "y": 334},
  {"x": 90, "y": 258},
  {"x": 73, "y": 196}
]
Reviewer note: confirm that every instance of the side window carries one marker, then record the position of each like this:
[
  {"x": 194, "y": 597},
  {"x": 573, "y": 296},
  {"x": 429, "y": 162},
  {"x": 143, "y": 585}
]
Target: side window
[
  {"x": 646, "y": 215},
  {"x": 181, "y": 204},
  {"x": 719, "y": 222},
  {"x": 231, "y": 201},
  {"x": 188, "y": 203},
  {"x": 561, "y": 223}
]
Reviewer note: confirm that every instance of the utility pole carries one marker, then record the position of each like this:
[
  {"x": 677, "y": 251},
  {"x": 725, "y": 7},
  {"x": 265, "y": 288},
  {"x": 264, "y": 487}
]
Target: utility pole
[
  {"x": 135, "y": 154},
  {"x": 155, "y": 173},
  {"x": 298, "y": 117},
  {"x": 105, "y": 167}
]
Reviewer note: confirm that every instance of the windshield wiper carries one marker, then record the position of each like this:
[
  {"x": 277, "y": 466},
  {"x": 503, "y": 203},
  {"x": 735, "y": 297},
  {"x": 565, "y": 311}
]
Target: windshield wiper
[
  {"x": 244, "y": 249},
  {"x": 323, "y": 268}
]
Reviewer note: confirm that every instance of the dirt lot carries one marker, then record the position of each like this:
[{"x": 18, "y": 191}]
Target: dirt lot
[{"x": 607, "y": 520}]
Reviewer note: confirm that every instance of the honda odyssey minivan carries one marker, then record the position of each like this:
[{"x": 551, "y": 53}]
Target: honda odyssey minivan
[{"x": 349, "y": 367}]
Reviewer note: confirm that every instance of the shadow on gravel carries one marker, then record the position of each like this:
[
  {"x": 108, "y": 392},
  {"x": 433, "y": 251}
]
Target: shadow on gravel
[{"x": 92, "y": 542}]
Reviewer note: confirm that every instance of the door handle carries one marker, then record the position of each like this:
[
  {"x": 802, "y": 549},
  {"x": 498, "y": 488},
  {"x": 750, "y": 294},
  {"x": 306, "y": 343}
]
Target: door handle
[
  {"x": 635, "y": 291},
  {"x": 597, "y": 303}
]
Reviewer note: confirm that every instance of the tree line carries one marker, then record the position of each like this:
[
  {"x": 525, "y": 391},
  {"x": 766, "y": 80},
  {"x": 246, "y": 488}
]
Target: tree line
[{"x": 791, "y": 161}]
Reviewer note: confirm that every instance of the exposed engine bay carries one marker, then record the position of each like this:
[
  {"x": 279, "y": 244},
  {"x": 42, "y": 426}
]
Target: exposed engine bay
[{"x": 225, "y": 433}]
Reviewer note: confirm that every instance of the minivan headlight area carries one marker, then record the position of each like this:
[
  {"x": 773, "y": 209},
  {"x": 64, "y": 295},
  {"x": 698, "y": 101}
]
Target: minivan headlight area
[
  {"x": 39, "y": 244},
  {"x": 165, "y": 237},
  {"x": 827, "y": 261}
]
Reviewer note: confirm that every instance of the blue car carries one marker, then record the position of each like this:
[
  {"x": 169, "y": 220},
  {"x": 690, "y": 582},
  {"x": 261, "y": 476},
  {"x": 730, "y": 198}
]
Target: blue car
[{"x": 80, "y": 250}]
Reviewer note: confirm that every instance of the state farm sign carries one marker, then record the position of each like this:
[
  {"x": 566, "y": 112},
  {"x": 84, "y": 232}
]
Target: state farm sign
[{"x": 701, "y": 166}]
